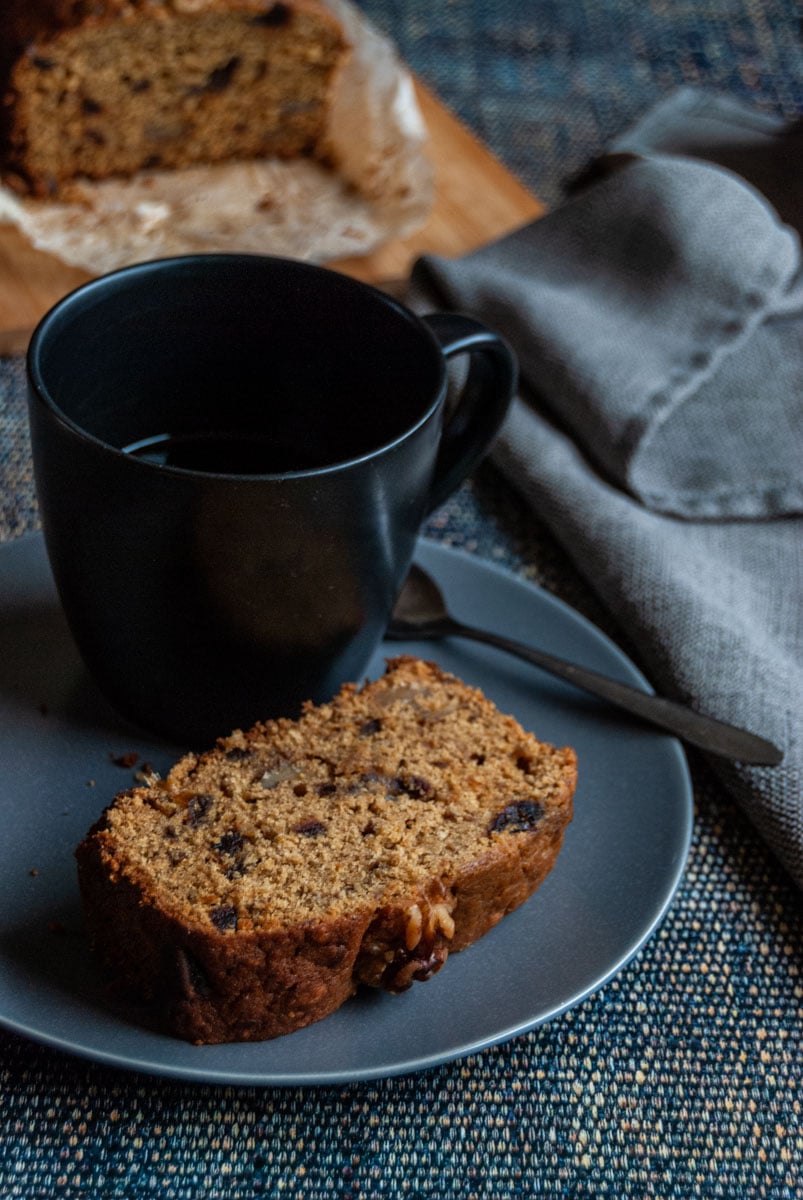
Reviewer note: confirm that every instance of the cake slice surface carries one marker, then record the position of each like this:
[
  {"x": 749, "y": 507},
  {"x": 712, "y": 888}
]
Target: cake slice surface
[{"x": 256, "y": 887}]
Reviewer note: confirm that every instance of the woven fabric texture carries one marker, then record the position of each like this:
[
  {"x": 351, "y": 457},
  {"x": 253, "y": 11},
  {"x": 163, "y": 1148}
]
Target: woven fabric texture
[{"x": 683, "y": 1076}]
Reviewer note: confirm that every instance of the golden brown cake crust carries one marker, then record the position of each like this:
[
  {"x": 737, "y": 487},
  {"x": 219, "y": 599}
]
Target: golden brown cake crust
[
  {"x": 252, "y": 891},
  {"x": 97, "y": 88}
]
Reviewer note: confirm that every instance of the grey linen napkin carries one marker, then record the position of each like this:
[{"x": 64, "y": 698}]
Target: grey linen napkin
[{"x": 658, "y": 319}]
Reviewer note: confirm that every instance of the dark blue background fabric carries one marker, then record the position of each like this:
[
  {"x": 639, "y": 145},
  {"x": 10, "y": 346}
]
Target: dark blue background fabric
[
  {"x": 549, "y": 84},
  {"x": 680, "y": 1078}
]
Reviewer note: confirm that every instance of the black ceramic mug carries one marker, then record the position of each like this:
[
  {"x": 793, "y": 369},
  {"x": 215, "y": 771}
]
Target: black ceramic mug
[{"x": 233, "y": 458}]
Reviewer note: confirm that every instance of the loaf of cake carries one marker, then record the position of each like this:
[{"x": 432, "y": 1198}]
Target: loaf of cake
[
  {"x": 101, "y": 88},
  {"x": 255, "y": 888}
]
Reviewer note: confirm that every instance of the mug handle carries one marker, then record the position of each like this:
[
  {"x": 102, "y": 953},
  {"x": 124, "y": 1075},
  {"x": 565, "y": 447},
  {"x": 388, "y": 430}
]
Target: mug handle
[{"x": 482, "y": 404}]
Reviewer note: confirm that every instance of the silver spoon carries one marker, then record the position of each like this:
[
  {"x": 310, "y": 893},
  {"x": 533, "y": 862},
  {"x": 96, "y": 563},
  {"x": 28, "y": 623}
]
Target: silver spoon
[{"x": 420, "y": 612}]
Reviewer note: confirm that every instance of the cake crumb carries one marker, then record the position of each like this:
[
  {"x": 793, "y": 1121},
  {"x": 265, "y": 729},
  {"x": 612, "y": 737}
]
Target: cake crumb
[{"x": 127, "y": 760}]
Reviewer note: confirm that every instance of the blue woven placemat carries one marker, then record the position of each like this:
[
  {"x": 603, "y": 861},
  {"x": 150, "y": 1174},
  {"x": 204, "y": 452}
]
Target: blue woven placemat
[
  {"x": 548, "y": 84},
  {"x": 682, "y": 1077}
]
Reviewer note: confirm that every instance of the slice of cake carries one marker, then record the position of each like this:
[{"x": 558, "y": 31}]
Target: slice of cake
[
  {"x": 251, "y": 891},
  {"x": 97, "y": 88}
]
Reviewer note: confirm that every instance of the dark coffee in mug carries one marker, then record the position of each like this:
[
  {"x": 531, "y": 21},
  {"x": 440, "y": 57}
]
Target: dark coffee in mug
[
  {"x": 233, "y": 457},
  {"x": 226, "y": 451}
]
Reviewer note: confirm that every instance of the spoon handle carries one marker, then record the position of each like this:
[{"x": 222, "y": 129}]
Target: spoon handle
[{"x": 709, "y": 734}]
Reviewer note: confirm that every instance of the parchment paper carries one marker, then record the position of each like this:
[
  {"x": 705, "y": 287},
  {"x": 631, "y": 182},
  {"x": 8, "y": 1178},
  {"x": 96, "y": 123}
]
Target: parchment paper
[{"x": 380, "y": 189}]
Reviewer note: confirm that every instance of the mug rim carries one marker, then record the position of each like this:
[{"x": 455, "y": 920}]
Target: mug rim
[{"x": 42, "y": 330}]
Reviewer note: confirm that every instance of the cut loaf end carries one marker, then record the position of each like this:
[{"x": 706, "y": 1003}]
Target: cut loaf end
[{"x": 109, "y": 89}]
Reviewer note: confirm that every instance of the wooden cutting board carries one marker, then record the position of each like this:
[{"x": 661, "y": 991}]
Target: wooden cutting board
[{"x": 476, "y": 201}]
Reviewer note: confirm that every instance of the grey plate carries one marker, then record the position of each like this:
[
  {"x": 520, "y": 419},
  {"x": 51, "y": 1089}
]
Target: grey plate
[{"x": 621, "y": 863}]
